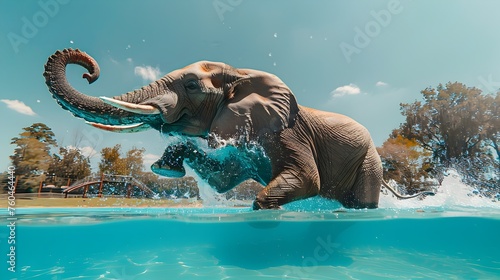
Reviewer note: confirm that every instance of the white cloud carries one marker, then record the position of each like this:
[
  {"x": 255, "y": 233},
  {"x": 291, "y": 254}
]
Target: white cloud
[
  {"x": 149, "y": 159},
  {"x": 86, "y": 151},
  {"x": 147, "y": 73},
  {"x": 381, "y": 84},
  {"x": 19, "y": 107},
  {"x": 350, "y": 89}
]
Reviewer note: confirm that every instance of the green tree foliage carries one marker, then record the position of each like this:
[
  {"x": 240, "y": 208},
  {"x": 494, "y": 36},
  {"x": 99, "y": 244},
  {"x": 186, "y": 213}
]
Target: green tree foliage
[
  {"x": 460, "y": 126},
  {"x": 32, "y": 155},
  {"x": 449, "y": 122},
  {"x": 68, "y": 164}
]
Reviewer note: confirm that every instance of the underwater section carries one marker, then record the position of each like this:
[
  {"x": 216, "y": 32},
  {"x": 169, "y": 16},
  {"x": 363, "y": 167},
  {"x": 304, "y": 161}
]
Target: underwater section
[
  {"x": 453, "y": 234},
  {"x": 237, "y": 243}
]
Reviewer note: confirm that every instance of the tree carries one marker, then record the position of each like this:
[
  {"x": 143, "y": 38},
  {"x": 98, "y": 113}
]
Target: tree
[
  {"x": 68, "y": 164},
  {"x": 449, "y": 123},
  {"x": 113, "y": 163},
  {"x": 405, "y": 162},
  {"x": 492, "y": 123},
  {"x": 185, "y": 187},
  {"x": 460, "y": 126},
  {"x": 42, "y": 133},
  {"x": 134, "y": 162},
  {"x": 31, "y": 157},
  {"x": 4, "y": 182},
  {"x": 247, "y": 190}
]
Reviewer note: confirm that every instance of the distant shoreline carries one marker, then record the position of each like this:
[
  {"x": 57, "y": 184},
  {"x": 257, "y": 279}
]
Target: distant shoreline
[{"x": 97, "y": 202}]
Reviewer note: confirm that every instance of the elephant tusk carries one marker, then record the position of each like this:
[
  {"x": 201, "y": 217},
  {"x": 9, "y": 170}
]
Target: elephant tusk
[
  {"x": 131, "y": 107},
  {"x": 121, "y": 128}
]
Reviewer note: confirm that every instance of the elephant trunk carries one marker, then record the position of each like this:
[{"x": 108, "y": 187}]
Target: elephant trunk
[{"x": 92, "y": 109}]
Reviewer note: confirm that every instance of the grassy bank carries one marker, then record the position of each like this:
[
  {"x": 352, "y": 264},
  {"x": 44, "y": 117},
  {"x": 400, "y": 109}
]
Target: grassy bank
[{"x": 98, "y": 202}]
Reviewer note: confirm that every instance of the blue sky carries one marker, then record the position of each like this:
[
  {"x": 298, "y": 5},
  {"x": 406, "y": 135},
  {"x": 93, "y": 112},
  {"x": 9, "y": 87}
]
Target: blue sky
[{"x": 359, "y": 58}]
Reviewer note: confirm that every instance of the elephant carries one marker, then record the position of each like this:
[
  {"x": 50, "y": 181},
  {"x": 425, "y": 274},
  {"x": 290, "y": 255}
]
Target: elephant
[{"x": 251, "y": 124}]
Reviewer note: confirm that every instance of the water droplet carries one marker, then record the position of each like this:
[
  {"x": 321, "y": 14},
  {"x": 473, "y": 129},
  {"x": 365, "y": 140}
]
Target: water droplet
[
  {"x": 270, "y": 54},
  {"x": 274, "y": 64},
  {"x": 71, "y": 42},
  {"x": 275, "y": 35}
]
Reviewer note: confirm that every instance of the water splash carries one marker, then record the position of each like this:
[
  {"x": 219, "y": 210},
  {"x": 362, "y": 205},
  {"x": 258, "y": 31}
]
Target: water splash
[
  {"x": 250, "y": 154},
  {"x": 452, "y": 193},
  {"x": 208, "y": 195}
]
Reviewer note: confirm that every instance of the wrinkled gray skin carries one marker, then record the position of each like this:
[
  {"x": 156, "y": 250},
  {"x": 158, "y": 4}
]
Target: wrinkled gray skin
[{"x": 301, "y": 152}]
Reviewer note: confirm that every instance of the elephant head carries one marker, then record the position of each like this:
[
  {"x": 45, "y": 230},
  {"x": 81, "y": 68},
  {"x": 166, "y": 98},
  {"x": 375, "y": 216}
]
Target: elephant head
[{"x": 202, "y": 98}]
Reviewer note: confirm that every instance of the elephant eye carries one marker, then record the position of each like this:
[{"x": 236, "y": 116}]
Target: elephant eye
[{"x": 192, "y": 85}]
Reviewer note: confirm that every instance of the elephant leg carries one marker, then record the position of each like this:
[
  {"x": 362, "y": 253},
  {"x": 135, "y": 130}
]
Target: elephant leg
[
  {"x": 223, "y": 169},
  {"x": 366, "y": 188},
  {"x": 298, "y": 179},
  {"x": 220, "y": 175},
  {"x": 235, "y": 166},
  {"x": 288, "y": 186}
]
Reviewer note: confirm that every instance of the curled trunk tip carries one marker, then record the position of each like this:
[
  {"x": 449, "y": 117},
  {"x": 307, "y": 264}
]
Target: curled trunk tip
[
  {"x": 67, "y": 56},
  {"x": 92, "y": 108}
]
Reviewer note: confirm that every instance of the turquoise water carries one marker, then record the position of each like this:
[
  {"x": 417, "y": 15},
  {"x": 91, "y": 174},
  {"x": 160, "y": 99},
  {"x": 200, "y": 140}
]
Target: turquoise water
[{"x": 237, "y": 243}]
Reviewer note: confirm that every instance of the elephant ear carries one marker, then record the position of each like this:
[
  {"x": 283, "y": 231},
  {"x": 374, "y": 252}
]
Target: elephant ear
[{"x": 257, "y": 103}]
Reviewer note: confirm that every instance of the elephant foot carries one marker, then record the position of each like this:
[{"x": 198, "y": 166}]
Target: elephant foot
[
  {"x": 168, "y": 171},
  {"x": 260, "y": 206},
  {"x": 171, "y": 163},
  {"x": 263, "y": 201}
]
